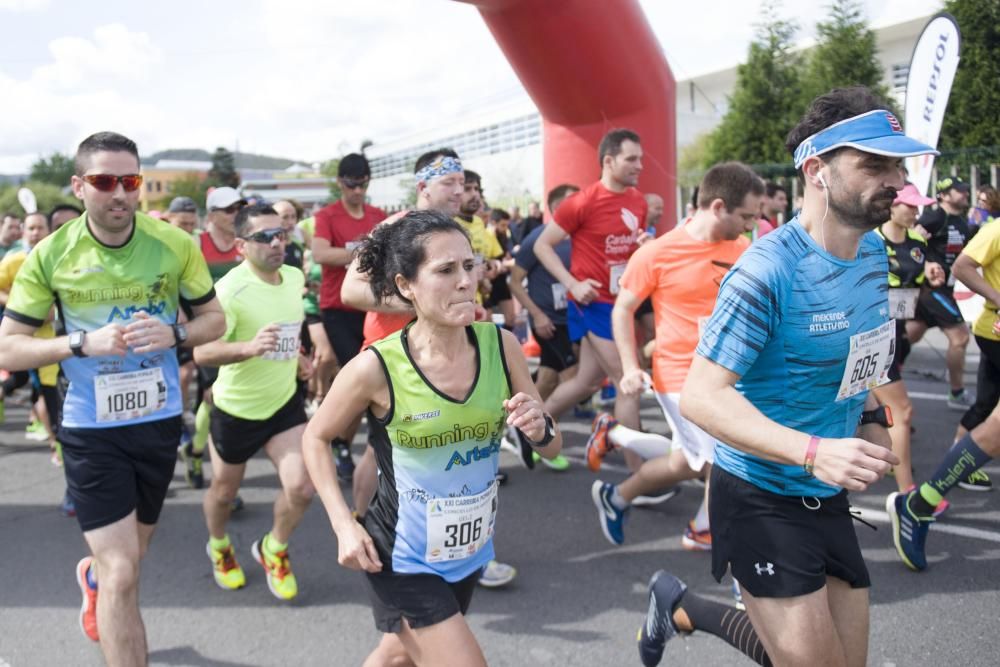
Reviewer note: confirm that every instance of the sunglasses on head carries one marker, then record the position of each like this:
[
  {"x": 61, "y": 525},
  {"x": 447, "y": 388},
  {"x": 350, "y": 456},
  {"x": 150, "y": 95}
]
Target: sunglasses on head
[
  {"x": 354, "y": 183},
  {"x": 108, "y": 182},
  {"x": 268, "y": 235}
]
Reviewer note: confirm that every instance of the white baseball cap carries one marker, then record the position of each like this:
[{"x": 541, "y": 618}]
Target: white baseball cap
[{"x": 223, "y": 198}]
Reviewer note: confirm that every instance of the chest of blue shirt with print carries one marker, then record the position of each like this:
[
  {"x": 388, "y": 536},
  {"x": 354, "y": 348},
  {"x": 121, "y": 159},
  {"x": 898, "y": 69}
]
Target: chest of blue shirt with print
[{"x": 783, "y": 322}]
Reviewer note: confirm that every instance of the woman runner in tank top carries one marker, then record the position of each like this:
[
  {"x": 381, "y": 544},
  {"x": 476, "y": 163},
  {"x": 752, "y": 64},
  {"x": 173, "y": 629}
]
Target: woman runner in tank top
[
  {"x": 438, "y": 396},
  {"x": 907, "y": 254}
]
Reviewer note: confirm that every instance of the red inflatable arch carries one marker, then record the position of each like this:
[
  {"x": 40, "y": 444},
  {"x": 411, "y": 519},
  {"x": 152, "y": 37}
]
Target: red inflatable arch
[{"x": 589, "y": 66}]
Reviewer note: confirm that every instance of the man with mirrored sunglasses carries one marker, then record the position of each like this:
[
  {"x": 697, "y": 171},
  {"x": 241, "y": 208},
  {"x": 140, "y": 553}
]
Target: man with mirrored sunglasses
[{"x": 117, "y": 276}]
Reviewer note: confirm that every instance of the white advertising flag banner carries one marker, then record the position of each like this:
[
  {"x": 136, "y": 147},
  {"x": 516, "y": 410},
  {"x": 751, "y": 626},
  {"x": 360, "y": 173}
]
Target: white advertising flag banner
[{"x": 932, "y": 71}]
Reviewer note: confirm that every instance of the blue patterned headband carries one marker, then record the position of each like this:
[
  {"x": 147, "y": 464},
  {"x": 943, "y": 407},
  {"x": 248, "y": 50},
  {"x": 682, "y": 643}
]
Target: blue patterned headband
[
  {"x": 442, "y": 166},
  {"x": 875, "y": 132}
]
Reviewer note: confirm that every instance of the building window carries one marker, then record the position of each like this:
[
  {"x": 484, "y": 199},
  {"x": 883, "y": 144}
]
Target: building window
[{"x": 900, "y": 73}]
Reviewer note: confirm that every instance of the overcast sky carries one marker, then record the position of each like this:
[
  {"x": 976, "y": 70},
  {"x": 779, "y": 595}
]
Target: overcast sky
[{"x": 303, "y": 79}]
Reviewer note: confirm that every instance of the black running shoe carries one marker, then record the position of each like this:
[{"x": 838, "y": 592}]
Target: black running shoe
[{"x": 665, "y": 593}]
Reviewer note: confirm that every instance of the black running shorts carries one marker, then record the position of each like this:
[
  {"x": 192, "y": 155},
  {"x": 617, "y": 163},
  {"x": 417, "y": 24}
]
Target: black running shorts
[
  {"x": 937, "y": 308},
  {"x": 422, "y": 599},
  {"x": 557, "y": 351},
  {"x": 236, "y": 439},
  {"x": 777, "y": 546},
  {"x": 346, "y": 331},
  {"x": 112, "y": 471}
]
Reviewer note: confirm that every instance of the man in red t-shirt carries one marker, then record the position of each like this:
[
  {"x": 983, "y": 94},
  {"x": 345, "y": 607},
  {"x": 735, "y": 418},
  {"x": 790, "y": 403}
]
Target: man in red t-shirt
[
  {"x": 604, "y": 222},
  {"x": 340, "y": 227}
]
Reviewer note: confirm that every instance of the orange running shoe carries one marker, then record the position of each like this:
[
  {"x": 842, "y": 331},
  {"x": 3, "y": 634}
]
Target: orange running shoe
[
  {"x": 598, "y": 444},
  {"x": 88, "y": 609},
  {"x": 695, "y": 540}
]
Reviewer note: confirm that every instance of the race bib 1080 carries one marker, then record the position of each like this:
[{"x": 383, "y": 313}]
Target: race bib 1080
[{"x": 126, "y": 396}]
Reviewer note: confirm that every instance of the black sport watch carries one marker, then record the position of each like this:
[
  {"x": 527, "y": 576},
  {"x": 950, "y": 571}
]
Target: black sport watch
[
  {"x": 180, "y": 334},
  {"x": 550, "y": 434},
  {"x": 881, "y": 416}
]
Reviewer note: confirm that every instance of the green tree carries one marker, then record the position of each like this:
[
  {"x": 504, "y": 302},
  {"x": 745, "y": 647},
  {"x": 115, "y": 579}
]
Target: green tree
[
  {"x": 47, "y": 194},
  {"x": 763, "y": 106},
  {"x": 56, "y": 169},
  {"x": 223, "y": 171},
  {"x": 329, "y": 169},
  {"x": 846, "y": 54},
  {"x": 974, "y": 105}
]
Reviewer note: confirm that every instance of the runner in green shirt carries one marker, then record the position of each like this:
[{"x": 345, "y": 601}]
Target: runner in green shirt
[{"x": 257, "y": 402}]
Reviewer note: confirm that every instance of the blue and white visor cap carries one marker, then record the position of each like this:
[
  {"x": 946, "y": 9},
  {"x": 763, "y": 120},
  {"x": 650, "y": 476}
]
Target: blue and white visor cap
[{"x": 875, "y": 132}]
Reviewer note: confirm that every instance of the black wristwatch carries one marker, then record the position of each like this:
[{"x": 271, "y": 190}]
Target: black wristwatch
[
  {"x": 76, "y": 339},
  {"x": 550, "y": 434},
  {"x": 180, "y": 334},
  {"x": 881, "y": 416}
]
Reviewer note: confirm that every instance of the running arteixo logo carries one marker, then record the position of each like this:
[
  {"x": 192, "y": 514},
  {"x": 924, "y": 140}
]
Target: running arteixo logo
[{"x": 769, "y": 569}]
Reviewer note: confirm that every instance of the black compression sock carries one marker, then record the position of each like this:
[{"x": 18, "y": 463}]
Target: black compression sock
[{"x": 727, "y": 623}]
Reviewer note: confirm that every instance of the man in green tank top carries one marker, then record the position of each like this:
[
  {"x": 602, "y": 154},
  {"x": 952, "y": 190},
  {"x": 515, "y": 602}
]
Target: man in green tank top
[{"x": 257, "y": 401}]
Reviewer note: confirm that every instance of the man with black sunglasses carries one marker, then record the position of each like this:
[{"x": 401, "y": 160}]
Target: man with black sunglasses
[
  {"x": 339, "y": 229},
  {"x": 257, "y": 402},
  {"x": 117, "y": 277},
  {"x": 218, "y": 247}
]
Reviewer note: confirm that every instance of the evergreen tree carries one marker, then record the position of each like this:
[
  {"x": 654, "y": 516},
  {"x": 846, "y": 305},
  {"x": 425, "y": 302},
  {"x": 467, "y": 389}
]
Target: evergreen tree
[
  {"x": 764, "y": 104},
  {"x": 223, "y": 171},
  {"x": 845, "y": 54},
  {"x": 974, "y": 106}
]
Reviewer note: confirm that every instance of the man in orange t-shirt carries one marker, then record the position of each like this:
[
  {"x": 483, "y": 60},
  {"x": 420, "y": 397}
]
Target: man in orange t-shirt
[{"x": 681, "y": 272}]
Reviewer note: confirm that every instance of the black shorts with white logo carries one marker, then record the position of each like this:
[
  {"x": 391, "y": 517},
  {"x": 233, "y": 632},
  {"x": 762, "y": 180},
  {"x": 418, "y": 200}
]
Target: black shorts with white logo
[
  {"x": 112, "y": 471},
  {"x": 236, "y": 439},
  {"x": 781, "y": 546},
  {"x": 422, "y": 599},
  {"x": 557, "y": 351}
]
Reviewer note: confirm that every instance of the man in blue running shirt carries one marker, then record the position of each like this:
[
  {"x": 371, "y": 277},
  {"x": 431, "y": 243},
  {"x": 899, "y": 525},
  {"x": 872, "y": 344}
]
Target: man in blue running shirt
[{"x": 799, "y": 335}]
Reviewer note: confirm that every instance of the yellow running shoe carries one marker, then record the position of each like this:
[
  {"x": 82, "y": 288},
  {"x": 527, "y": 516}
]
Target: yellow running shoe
[
  {"x": 280, "y": 580},
  {"x": 228, "y": 573}
]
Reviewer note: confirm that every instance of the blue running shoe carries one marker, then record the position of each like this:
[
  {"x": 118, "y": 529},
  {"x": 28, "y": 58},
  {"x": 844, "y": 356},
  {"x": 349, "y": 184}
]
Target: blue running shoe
[
  {"x": 909, "y": 531},
  {"x": 665, "y": 593},
  {"x": 612, "y": 519}
]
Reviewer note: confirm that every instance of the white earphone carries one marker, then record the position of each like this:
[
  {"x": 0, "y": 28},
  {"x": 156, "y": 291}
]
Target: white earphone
[{"x": 822, "y": 180}]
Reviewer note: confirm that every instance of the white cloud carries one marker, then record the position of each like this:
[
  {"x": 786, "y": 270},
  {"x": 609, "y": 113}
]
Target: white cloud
[
  {"x": 114, "y": 54},
  {"x": 306, "y": 78}
]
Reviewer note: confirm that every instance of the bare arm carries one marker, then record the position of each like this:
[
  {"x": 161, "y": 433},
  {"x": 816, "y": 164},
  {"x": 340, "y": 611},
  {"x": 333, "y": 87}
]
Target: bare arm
[
  {"x": 966, "y": 269},
  {"x": 324, "y": 253},
  {"x": 545, "y": 251},
  {"x": 208, "y": 323},
  {"x": 20, "y": 350},
  {"x": 710, "y": 400},
  {"x": 359, "y": 385},
  {"x": 623, "y": 327},
  {"x": 357, "y": 293},
  {"x": 222, "y": 352},
  {"x": 541, "y": 322},
  {"x": 525, "y": 406}
]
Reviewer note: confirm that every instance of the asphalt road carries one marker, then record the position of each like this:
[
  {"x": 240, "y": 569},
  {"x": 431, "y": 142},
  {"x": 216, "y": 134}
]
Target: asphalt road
[{"x": 577, "y": 600}]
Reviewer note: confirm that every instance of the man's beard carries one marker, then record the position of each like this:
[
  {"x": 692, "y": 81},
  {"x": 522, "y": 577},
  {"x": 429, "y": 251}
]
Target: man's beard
[{"x": 864, "y": 215}]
